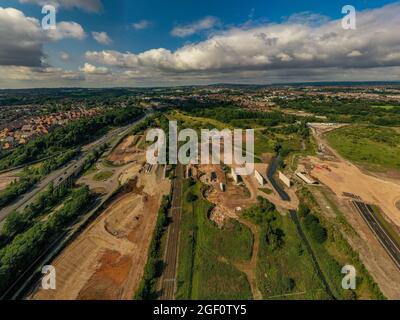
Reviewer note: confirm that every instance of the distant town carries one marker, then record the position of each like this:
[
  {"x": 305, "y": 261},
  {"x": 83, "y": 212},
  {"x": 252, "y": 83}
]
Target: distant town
[{"x": 20, "y": 132}]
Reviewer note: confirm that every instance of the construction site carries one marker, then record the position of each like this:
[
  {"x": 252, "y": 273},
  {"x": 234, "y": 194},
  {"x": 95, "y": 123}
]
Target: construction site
[
  {"x": 106, "y": 261},
  {"x": 350, "y": 188}
]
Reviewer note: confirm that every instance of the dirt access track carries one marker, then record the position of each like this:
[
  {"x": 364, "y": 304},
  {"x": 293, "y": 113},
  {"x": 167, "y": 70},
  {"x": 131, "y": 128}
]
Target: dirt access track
[
  {"x": 341, "y": 176},
  {"x": 126, "y": 151},
  {"x": 106, "y": 261},
  {"x": 7, "y": 178},
  {"x": 345, "y": 177}
]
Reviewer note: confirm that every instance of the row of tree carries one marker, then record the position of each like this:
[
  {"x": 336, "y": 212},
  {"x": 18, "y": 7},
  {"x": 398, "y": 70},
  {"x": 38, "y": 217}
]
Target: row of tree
[
  {"x": 237, "y": 116},
  {"x": 18, "y": 222},
  {"x": 27, "y": 246},
  {"x": 312, "y": 223},
  {"x": 154, "y": 265},
  {"x": 345, "y": 110},
  {"x": 32, "y": 175}
]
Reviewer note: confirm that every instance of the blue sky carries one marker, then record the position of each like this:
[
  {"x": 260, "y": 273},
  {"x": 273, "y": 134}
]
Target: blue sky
[{"x": 197, "y": 22}]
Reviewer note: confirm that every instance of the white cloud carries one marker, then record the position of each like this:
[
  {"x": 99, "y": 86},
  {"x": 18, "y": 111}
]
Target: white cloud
[
  {"x": 66, "y": 30},
  {"x": 187, "y": 30},
  {"x": 141, "y": 25},
  {"x": 307, "y": 18},
  {"x": 48, "y": 75},
  {"x": 286, "y": 46},
  {"x": 64, "y": 56},
  {"x": 102, "y": 37},
  {"x": 298, "y": 49},
  {"x": 354, "y": 54},
  {"x": 87, "y": 5},
  {"x": 91, "y": 69},
  {"x": 22, "y": 38}
]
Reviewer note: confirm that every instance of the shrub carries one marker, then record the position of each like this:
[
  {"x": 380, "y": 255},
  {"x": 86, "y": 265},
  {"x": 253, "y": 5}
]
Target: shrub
[{"x": 190, "y": 197}]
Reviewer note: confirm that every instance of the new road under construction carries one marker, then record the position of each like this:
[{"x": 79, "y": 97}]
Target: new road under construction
[{"x": 384, "y": 238}]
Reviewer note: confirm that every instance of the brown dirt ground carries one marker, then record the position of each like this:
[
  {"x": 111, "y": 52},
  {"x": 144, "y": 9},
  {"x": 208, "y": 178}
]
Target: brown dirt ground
[
  {"x": 250, "y": 267},
  {"x": 385, "y": 192},
  {"x": 107, "y": 260},
  {"x": 125, "y": 152},
  {"x": 346, "y": 177},
  {"x": 7, "y": 178}
]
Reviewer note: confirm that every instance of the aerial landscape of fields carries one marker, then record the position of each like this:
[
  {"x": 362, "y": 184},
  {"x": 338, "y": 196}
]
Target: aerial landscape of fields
[
  {"x": 116, "y": 222},
  {"x": 199, "y": 158}
]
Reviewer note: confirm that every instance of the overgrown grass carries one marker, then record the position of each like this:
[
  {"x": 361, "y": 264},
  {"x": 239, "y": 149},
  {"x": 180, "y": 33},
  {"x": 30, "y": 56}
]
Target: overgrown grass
[
  {"x": 266, "y": 190},
  {"x": 374, "y": 147},
  {"x": 92, "y": 169},
  {"x": 102, "y": 176},
  {"x": 385, "y": 107},
  {"x": 336, "y": 252},
  {"x": 284, "y": 268},
  {"x": 206, "y": 253}
]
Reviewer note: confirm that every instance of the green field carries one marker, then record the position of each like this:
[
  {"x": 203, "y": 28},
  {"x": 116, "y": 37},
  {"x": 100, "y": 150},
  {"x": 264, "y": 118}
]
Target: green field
[
  {"x": 92, "y": 169},
  {"x": 102, "y": 176},
  {"x": 376, "y": 148},
  {"x": 207, "y": 253},
  {"x": 284, "y": 268},
  {"x": 386, "y": 107},
  {"x": 336, "y": 252}
]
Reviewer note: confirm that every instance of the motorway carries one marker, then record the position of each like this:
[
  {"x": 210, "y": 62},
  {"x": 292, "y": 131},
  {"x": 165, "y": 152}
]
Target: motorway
[
  {"x": 27, "y": 276},
  {"x": 390, "y": 246},
  {"x": 60, "y": 175},
  {"x": 168, "y": 279}
]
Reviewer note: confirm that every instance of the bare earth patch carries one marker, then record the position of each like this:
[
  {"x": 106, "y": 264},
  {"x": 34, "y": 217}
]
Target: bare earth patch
[
  {"x": 107, "y": 260},
  {"x": 7, "y": 178},
  {"x": 342, "y": 177}
]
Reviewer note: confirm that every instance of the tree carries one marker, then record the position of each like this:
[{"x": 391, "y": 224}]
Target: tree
[
  {"x": 190, "y": 197},
  {"x": 303, "y": 210}
]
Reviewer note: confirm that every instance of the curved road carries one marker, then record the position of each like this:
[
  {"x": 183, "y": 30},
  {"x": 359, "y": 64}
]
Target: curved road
[{"x": 60, "y": 175}]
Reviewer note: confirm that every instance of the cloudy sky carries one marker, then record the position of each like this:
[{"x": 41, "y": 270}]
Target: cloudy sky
[{"x": 104, "y": 43}]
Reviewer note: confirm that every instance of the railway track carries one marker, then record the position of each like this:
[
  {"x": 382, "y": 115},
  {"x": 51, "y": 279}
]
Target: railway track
[{"x": 168, "y": 279}]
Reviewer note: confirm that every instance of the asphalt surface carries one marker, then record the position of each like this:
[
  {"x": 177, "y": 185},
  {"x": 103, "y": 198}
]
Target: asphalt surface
[
  {"x": 168, "y": 280},
  {"x": 368, "y": 215},
  {"x": 60, "y": 175},
  {"x": 25, "y": 277}
]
